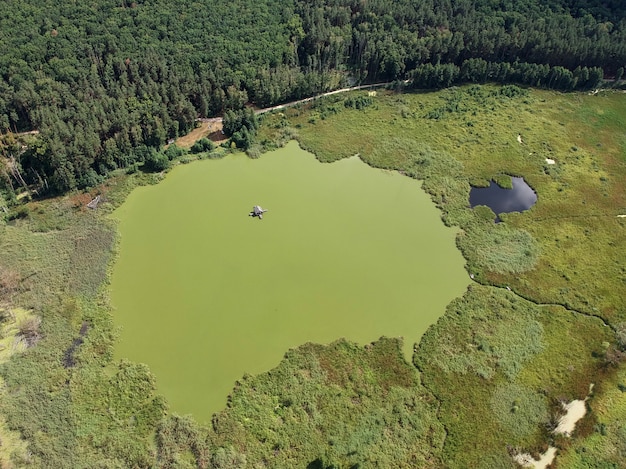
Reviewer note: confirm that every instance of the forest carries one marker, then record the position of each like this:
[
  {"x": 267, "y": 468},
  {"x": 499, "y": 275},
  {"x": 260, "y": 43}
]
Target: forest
[{"x": 106, "y": 84}]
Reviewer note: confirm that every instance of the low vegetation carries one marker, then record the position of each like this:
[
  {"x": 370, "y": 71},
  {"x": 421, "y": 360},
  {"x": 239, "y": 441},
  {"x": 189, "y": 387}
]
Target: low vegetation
[
  {"x": 493, "y": 350},
  {"x": 499, "y": 248},
  {"x": 487, "y": 379}
]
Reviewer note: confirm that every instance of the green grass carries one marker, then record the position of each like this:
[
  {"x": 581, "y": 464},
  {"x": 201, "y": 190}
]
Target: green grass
[
  {"x": 13, "y": 450},
  {"x": 492, "y": 348},
  {"x": 485, "y": 332},
  {"x": 498, "y": 248},
  {"x": 72, "y": 416},
  {"x": 605, "y": 445}
]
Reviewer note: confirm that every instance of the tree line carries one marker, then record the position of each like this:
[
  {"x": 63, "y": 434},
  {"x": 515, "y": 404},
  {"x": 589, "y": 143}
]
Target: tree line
[{"x": 105, "y": 84}]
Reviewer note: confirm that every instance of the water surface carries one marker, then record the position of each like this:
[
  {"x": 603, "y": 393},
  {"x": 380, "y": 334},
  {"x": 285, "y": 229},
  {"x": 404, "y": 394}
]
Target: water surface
[
  {"x": 204, "y": 293},
  {"x": 521, "y": 197}
]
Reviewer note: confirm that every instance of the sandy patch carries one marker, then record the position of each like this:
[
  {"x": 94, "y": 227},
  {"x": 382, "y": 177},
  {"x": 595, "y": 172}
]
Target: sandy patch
[
  {"x": 526, "y": 460},
  {"x": 210, "y": 128},
  {"x": 550, "y": 161},
  {"x": 574, "y": 411}
]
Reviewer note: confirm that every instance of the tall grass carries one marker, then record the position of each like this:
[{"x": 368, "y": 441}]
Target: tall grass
[
  {"x": 490, "y": 247},
  {"x": 519, "y": 410},
  {"x": 484, "y": 332}
]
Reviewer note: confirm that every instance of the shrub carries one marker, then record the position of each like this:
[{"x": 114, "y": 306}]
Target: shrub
[
  {"x": 156, "y": 161},
  {"x": 504, "y": 181},
  {"x": 9, "y": 280},
  {"x": 358, "y": 102},
  {"x": 234, "y": 121},
  {"x": 620, "y": 335},
  {"x": 174, "y": 151},
  {"x": 484, "y": 213},
  {"x": 202, "y": 145},
  {"x": 512, "y": 91},
  {"x": 19, "y": 213},
  {"x": 254, "y": 151},
  {"x": 90, "y": 179},
  {"x": 28, "y": 328}
]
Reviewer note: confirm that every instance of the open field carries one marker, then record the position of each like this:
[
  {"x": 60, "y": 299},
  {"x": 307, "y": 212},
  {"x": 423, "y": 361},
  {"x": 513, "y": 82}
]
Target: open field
[{"x": 490, "y": 375}]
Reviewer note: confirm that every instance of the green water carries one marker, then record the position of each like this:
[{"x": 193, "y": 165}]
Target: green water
[{"x": 204, "y": 293}]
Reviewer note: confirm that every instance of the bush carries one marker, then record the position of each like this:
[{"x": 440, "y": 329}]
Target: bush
[
  {"x": 234, "y": 121},
  {"x": 90, "y": 179},
  {"x": 174, "y": 151},
  {"x": 358, "y": 102},
  {"x": 202, "y": 145},
  {"x": 133, "y": 168},
  {"x": 620, "y": 335},
  {"x": 156, "y": 161},
  {"x": 19, "y": 213},
  {"x": 243, "y": 138},
  {"x": 29, "y": 328},
  {"x": 254, "y": 151},
  {"x": 504, "y": 181},
  {"x": 512, "y": 91}
]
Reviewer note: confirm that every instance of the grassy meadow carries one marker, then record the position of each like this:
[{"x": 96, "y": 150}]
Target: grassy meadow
[{"x": 487, "y": 380}]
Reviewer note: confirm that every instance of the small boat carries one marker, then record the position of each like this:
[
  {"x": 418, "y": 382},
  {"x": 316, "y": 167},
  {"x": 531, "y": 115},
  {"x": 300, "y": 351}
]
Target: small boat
[{"x": 257, "y": 211}]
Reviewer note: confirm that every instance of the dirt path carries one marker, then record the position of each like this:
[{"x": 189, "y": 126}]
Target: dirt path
[
  {"x": 211, "y": 127},
  {"x": 329, "y": 93}
]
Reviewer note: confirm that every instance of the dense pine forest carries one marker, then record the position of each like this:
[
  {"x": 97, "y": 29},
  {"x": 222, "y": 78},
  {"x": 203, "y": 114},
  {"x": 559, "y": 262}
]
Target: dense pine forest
[{"x": 107, "y": 83}]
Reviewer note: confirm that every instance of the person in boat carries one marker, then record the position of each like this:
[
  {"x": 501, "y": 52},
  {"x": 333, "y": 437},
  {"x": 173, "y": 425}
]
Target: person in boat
[{"x": 257, "y": 211}]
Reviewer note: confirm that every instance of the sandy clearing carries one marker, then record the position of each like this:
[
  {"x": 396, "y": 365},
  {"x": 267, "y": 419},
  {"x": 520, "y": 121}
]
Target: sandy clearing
[
  {"x": 574, "y": 411},
  {"x": 211, "y": 128},
  {"x": 526, "y": 460}
]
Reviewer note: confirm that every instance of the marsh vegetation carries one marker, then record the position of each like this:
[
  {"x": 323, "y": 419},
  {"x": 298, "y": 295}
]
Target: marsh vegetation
[{"x": 504, "y": 358}]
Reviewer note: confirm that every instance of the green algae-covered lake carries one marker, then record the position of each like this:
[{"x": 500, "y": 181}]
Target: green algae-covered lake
[{"x": 204, "y": 293}]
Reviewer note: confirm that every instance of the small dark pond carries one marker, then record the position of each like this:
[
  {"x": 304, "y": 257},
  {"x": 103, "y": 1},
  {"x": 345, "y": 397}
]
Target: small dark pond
[{"x": 500, "y": 200}]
